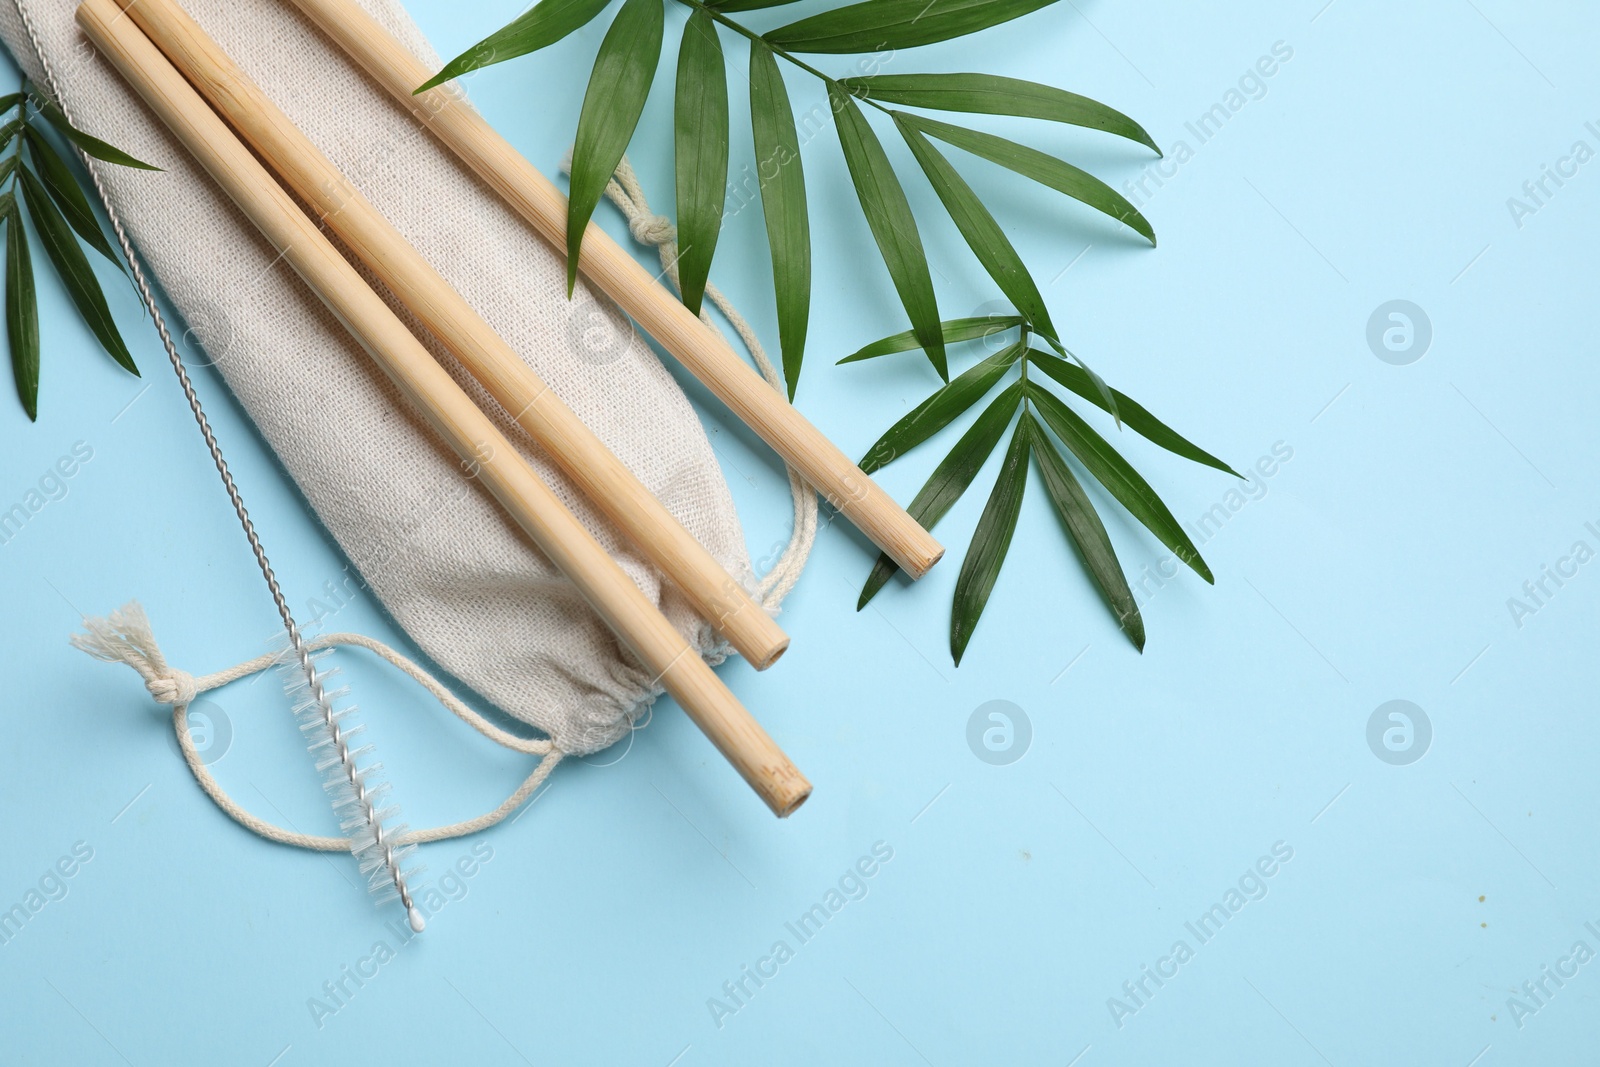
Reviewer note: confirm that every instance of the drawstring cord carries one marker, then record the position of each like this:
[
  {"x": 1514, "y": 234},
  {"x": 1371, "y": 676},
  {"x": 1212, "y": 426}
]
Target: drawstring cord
[{"x": 125, "y": 637}]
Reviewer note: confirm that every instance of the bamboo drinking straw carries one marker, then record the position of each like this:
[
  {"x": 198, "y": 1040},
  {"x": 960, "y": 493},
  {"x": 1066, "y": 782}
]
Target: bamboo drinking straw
[
  {"x": 619, "y": 275},
  {"x": 603, "y": 478},
  {"x": 483, "y": 449}
]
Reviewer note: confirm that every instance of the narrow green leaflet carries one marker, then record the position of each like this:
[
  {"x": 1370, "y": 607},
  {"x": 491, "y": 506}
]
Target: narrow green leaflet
[
  {"x": 951, "y": 478},
  {"x": 1108, "y": 399},
  {"x": 747, "y": 5},
  {"x": 987, "y": 553},
  {"x": 954, "y": 331},
  {"x": 701, "y": 139},
  {"x": 940, "y": 409},
  {"x": 883, "y": 201},
  {"x": 545, "y": 24},
  {"x": 1133, "y": 414},
  {"x": 990, "y": 94},
  {"x": 881, "y": 25},
  {"x": 73, "y": 267},
  {"x": 90, "y": 144},
  {"x": 783, "y": 202},
  {"x": 1088, "y": 533},
  {"x": 982, "y": 233},
  {"x": 63, "y": 187},
  {"x": 1042, "y": 168},
  {"x": 53, "y": 204},
  {"x": 612, "y": 105},
  {"x": 1118, "y": 476},
  {"x": 22, "y": 310}
]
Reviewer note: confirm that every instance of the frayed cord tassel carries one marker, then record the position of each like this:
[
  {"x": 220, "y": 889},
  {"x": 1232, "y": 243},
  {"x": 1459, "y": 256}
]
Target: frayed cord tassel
[{"x": 125, "y": 636}]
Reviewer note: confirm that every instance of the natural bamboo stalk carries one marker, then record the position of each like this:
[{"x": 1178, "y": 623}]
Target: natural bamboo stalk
[
  {"x": 619, "y": 275},
  {"x": 484, "y": 451},
  {"x": 602, "y": 477}
]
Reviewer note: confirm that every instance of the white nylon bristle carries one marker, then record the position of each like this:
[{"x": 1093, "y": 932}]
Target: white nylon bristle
[
  {"x": 323, "y": 737},
  {"x": 352, "y": 779},
  {"x": 316, "y": 725}
]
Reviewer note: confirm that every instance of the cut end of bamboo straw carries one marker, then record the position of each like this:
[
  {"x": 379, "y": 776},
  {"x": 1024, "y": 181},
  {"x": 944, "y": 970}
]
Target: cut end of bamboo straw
[
  {"x": 926, "y": 559},
  {"x": 753, "y": 633},
  {"x": 913, "y": 550},
  {"x": 786, "y": 804},
  {"x": 773, "y": 656}
]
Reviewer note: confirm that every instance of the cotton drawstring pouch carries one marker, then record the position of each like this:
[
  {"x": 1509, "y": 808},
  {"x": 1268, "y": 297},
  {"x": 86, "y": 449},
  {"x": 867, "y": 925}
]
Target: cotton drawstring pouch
[{"x": 451, "y": 569}]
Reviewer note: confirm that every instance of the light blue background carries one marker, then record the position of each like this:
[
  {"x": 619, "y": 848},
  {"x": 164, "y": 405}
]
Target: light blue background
[{"x": 1376, "y": 566}]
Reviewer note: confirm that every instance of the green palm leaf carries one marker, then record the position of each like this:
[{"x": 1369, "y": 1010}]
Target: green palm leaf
[
  {"x": 783, "y": 203},
  {"x": 615, "y": 99},
  {"x": 951, "y": 478},
  {"x": 89, "y": 144},
  {"x": 54, "y": 204},
  {"x": 747, "y": 5},
  {"x": 613, "y": 104},
  {"x": 882, "y": 25},
  {"x": 73, "y": 267},
  {"x": 63, "y": 187},
  {"x": 1087, "y": 532},
  {"x": 982, "y": 233},
  {"x": 1108, "y": 399},
  {"x": 990, "y": 94},
  {"x": 940, "y": 409},
  {"x": 987, "y": 553},
  {"x": 1118, "y": 476},
  {"x": 954, "y": 331},
  {"x": 545, "y": 24},
  {"x": 883, "y": 201},
  {"x": 1042, "y": 168},
  {"x": 22, "y": 310},
  {"x": 1133, "y": 414},
  {"x": 701, "y": 132}
]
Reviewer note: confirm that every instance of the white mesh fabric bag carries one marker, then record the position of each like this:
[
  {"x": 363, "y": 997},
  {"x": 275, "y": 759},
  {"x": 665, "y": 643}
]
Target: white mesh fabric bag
[{"x": 448, "y": 564}]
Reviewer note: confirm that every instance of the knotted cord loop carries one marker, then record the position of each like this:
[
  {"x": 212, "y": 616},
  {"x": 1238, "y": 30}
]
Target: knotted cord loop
[
  {"x": 175, "y": 687},
  {"x": 652, "y": 229},
  {"x": 125, "y": 636}
]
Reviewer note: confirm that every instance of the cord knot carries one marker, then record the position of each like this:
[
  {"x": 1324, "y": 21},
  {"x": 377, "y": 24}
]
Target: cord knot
[
  {"x": 173, "y": 687},
  {"x": 652, "y": 229},
  {"x": 125, "y": 636}
]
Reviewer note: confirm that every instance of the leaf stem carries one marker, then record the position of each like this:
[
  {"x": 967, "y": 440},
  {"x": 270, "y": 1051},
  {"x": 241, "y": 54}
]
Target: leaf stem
[
  {"x": 781, "y": 53},
  {"x": 1022, "y": 364}
]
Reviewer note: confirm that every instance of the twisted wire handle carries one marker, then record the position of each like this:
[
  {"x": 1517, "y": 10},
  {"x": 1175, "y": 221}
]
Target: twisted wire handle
[{"x": 297, "y": 645}]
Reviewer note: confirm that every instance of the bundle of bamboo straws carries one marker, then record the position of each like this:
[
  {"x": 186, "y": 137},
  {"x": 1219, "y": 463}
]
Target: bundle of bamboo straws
[{"x": 199, "y": 93}]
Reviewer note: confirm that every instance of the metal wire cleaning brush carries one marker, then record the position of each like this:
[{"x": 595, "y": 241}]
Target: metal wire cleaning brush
[
  {"x": 352, "y": 779},
  {"x": 375, "y": 846}
]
